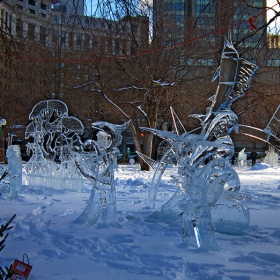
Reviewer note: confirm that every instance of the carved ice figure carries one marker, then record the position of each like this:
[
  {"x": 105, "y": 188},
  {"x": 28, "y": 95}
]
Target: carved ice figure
[
  {"x": 14, "y": 170},
  {"x": 203, "y": 159},
  {"x": 242, "y": 158},
  {"x": 54, "y": 134},
  {"x": 97, "y": 163},
  {"x": 271, "y": 157}
]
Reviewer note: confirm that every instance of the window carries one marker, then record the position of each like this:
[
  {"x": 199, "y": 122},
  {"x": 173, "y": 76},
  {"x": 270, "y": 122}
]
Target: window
[
  {"x": 6, "y": 21},
  {"x": 63, "y": 39},
  {"x": 31, "y": 31},
  {"x": 87, "y": 40},
  {"x": 54, "y": 36},
  {"x": 117, "y": 46},
  {"x": 43, "y": 6},
  {"x": 19, "y": 27},
  {"x": 109, "y": 45},
  {"x": 94, "y": 43},
  {"x": 70, "y": 40},
  {"x": 79, "y": 40},
  {"x": 124, "y": 45},
  {"x": 2, "y": 18},
  {"x": 31, "y": 11},
  {"x": 43, "y": 35},
  {"x": 55, "y": 19},
  {"x": 273, "y": 62},
  {"x": 31, "y": 2}
]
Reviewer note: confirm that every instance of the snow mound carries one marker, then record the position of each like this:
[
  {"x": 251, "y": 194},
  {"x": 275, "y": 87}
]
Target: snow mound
[{"x": 259, "y": 166}]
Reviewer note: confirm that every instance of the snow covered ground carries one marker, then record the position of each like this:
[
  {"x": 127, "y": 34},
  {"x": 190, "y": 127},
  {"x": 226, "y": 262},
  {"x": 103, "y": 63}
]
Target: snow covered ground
[{"x": 59, "y": 248}]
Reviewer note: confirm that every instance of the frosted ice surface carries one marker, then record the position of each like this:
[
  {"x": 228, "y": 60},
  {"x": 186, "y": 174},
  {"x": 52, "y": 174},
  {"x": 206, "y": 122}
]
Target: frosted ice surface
[
  {"x": 272, "y": 157},
  {"x": 242, "y": 158}
]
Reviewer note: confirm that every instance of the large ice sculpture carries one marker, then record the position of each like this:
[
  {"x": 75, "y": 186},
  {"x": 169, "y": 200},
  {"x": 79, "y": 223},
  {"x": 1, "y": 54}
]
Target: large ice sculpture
[
  {"x": 205, "y": 174},
  {"x": 14, "y": 170},
  {"x": 97, "y": 163},
  {"x": 55, "y": 135}
]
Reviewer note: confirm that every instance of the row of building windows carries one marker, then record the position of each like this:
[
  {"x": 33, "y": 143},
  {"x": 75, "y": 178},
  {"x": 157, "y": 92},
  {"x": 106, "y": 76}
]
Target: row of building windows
[
  {"x": 273, "y": 62},
  {"x": 34, "y": 32},
  {"x": 174, "y": 7}
]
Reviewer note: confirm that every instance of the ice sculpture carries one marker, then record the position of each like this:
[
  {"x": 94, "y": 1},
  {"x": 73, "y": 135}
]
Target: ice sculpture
[
  {"x": 271, "y": 157},
  {"x": 14, "y": 170},
  {"x": 242, "y": 158},
  {"x": 203, "y": 159},
  {"x": 97, "y": 163},
  {"x": 55, "y": 135}
]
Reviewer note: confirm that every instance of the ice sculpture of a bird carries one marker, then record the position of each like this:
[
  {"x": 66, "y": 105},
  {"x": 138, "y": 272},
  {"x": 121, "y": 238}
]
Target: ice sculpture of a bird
[
  {"x": 115, "y": 130},
  {"x": 203, "y": 159}
]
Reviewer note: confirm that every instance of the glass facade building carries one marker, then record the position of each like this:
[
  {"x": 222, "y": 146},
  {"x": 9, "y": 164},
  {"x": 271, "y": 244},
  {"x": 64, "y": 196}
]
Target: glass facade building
[{"x": 181, "y": 20}]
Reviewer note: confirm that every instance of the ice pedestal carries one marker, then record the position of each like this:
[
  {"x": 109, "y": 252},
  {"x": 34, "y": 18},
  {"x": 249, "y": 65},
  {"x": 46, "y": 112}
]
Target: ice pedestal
[{"x": 14, "y": 169}]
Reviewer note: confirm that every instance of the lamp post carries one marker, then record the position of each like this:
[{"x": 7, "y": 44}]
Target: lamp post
[{"x": 2, "y": 123}]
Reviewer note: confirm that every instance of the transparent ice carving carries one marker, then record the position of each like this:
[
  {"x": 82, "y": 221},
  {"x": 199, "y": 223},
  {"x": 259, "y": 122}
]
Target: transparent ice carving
[
  {"x": 14, "y": 170},
  {"x": 230, "y": 216},
  {"x": 271, "y": 157},
  {"x": 203, "y": 158},
  {"x": 55, "y": 135},
  {"x": 242, "y": 158},
  {"x": 97, "y": 163}
]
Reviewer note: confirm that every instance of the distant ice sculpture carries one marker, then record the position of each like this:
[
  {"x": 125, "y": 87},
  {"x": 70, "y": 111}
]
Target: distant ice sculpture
[
  {"x": 272, "y": 157},
  {"x": 97, "y": 163},
  {"x": 205, "y": 172},
  {"x": 55, "y": 135},
  {"x": 14, "y": 170},
  {"x": 242, "y": 158}
]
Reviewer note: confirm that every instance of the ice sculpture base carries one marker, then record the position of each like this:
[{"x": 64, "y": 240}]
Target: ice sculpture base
[
  {"x": 56, "y": 176},
  {"x": 228, "y": 216}
]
